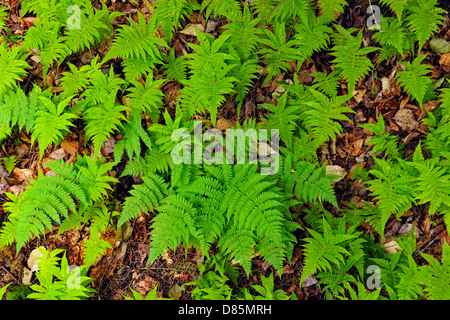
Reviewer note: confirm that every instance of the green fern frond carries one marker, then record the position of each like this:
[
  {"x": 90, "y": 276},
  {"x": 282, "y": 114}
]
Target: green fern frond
[
  {"x": 414, "y": 79},
  {"x": 321, "y": 251},
  {"x": 425, "y": 19},
  {"x": 436, "y": 276},
  {"x": 12, "y": 67},
  {"x": 351, "y": 60},
  {"x": 144, "y": 197},
  {"x": 60, "y": 120}
]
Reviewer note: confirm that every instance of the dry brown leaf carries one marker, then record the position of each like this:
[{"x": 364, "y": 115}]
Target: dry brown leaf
[
  {"x": 70, "y": 146},
  {"x": 404, "y": 118},
  {"x": 444, "y": 61},
  {"x": 22, "y": 174}
]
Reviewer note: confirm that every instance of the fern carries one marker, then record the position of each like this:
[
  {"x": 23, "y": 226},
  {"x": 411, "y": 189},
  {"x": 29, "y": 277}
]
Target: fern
[
  {"x": 328, "y": 9},
  {"x": 169, "y": 14},
  {"x": 136, "y": 41},
  {"x": 144, "y": 197},
  {"x": 226, "y": 8},
  {"x": 94, "y": 27},
  {"x": 393, "y": 34},
  {"x": 398, "y": 6},
  {"x": 323, "y": 250},
  {"x": 175, "y": 68},
  {"x": 350, "y": 58},
  {"x": 424, "y": 20},
  {"x": 205, "y": 208},
  {"x": 382, "y": 140},
  {"x": 282, "y": 118},
  {"x": 60, "y": 120},
  {"x": 52, "y": 197},
  {"x": 435, "y": 277},
  {"x": 277, "y": 51},
  {"x": 146, "y": 98},
  {"x": 392, "y": 189},
  {"x": 323, "y": 115},
  {"x": 210, "y": 81},
  {"x": 311, "y": 35},
  {"x": 12, "y": 67},
  {"x": 59, "y": 282},
  {"x": 102, "y": 120},
  {"x": 414, "y": 79}
]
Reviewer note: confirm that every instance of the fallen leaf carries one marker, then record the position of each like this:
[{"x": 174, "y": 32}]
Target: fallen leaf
[
  {"x": 33, "y": 261},
  {"x": 391, "y": 247},
  {"x": 444, "y": 61},
  {"x": 23, "y": 174},
  {"x": 309, "y": 281},
  {"x": 439, "y": 45},
  {"x": 404, "y": 118},
  {"x": 175, "y": 292},
  {"x": 26, "y": 278},
  {"x": 336, "y": 170},
  {"x": 70, "y": 146},
  {"x": 190, "y": 29},
  {"x": 124, "y": 232},
  {"x": 358, "y": 95},
  {"x": 58, "y": 154}
]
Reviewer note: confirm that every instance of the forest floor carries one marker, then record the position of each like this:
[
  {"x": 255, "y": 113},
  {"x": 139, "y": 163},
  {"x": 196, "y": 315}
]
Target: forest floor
[{"x": 125, "y": 266}]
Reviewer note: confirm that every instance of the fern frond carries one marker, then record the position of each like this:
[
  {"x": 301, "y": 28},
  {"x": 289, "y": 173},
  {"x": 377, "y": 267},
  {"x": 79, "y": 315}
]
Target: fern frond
[
  {"x": 12, "y": 67},
  {"x": 323, "y": 116},
  {"x": 144, "y": 197},
  {"x": 414, "y": 79},
  {"x": 102, "y": 120},
  {"x": 282, "y": 118},
  {"x": 60, "y": 120},
  {"x": 436, "y": 276},
  {"x": 321, "y": 251},
  {"x": 351, "y": 60},
  {"x": 425, "y": 19},
  {"x": 392, "y": 189}
]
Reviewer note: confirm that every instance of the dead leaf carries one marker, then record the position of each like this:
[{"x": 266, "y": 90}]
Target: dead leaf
[
  {"x": 405, "y": 119},
  {"x": 26, "y": 278},
  {"x": 70, "y": 146},
  {"x": 358, "y": 95},
  {"x": 336, "y": 170},
  {"x": 191, "y": 28},
  {"x": 444, "y": 61},
  {"x": 309, "y": 281},
  {"x": 391, "y": 247},
  {"x": 223, "y": 124},
  {"x": 175, "y": 292},
  {"x": 108, "y": 146},
  {"x": 23, "y": 174},
  {"x": 124, "y": 232},
  {"x": 33, "y": 261},
  {"x": 58, "y": 154},
  {"x": 439, "y": 45},
  {"x": 16, "y": 190}
]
